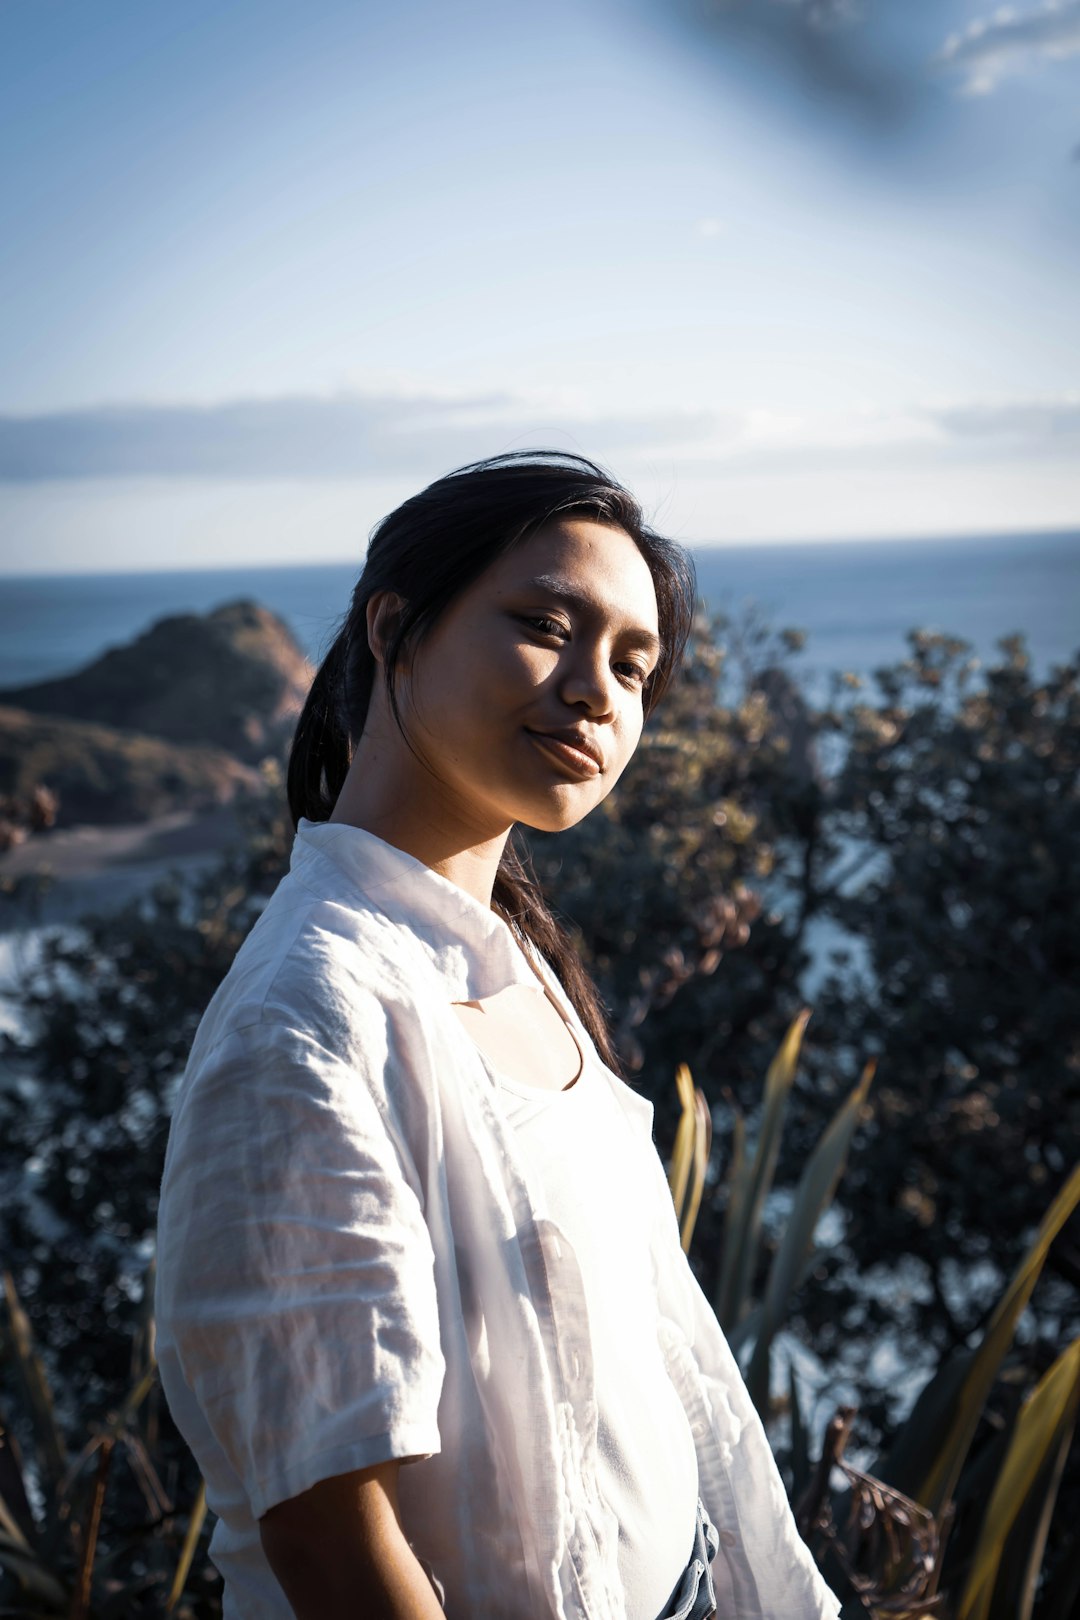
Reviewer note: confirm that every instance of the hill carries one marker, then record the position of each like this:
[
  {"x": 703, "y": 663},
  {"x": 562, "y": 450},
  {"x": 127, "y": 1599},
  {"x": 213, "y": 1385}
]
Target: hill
[
  {"x": 103, "y": 775},
  {"x": 233, "y": 679}
]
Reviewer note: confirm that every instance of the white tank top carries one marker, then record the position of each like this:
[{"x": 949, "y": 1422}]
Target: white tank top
[{"x": 573, "y": 1145}]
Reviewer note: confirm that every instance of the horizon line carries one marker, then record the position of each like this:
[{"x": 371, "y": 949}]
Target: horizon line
[{"x": 927, "y": 537}]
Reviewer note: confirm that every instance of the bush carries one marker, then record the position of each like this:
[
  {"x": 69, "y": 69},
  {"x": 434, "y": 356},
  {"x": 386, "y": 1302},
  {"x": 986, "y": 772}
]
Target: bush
[{"x": 935, "y": 819}]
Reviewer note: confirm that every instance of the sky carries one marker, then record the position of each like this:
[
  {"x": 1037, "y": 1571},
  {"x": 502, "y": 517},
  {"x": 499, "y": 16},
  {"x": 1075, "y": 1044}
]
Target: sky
[{"x": 792, "y": 269}]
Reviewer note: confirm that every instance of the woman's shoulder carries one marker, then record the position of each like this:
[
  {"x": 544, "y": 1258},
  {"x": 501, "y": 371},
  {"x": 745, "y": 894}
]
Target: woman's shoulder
[{"x": 337, "y": 972}]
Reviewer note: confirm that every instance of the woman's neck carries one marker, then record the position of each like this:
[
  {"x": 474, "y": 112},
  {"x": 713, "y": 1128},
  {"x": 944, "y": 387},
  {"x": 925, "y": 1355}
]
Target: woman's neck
[{"x": 390, "y": 793}]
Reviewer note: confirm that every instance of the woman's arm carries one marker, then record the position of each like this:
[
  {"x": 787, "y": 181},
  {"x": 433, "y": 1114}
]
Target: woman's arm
[{"x": 338, "y": 1550}]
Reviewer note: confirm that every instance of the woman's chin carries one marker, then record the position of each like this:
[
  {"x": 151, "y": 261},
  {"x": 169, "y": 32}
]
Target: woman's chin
[{"x": 554, "y": 818}]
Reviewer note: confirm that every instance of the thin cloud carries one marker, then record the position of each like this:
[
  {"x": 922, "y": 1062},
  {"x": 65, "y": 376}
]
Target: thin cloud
[
  {"x": 359, "y": 436},
  {"x": 989, "y": 49},
  {"x": 1030, "y": 423},
  {"x": 343, "y": 437},
  {"x": 919, "y": 439}
]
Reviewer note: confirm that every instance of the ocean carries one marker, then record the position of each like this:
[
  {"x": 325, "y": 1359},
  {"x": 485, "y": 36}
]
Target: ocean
[{"x": 854, "y": 601}]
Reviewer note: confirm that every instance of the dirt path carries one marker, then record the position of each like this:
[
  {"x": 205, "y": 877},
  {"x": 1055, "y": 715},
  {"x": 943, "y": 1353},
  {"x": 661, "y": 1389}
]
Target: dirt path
[{"x": 89, "y": 869}]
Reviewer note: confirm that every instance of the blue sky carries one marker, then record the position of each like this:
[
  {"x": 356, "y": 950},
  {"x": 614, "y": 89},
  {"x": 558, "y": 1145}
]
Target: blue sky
[{"x": 793, "y": 268}]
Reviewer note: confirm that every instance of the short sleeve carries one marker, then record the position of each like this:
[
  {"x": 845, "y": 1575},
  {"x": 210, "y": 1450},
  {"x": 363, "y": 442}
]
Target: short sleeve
[{"x": 296, "y": 1298}]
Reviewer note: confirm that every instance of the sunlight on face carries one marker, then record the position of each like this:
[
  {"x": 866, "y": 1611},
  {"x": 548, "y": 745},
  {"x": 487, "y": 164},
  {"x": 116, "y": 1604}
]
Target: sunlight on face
[{"x": 526, "y": 699}]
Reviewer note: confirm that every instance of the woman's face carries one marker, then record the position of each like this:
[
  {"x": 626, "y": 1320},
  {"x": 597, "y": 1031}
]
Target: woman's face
[{"x": 525, "y": 699}]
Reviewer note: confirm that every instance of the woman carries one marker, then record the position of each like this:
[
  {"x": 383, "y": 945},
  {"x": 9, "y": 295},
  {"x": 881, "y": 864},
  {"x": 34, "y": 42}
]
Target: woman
[{"x": 423, "y": 1315}]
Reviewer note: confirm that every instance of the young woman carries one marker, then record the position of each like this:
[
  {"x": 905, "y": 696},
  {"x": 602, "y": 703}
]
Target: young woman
[{"x": 423, "y": 1315}]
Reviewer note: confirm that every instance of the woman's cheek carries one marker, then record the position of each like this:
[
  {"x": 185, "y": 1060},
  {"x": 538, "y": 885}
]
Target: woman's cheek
[
  {"x": 535, "y": 665},
  {"x": 628, "y": 737}
]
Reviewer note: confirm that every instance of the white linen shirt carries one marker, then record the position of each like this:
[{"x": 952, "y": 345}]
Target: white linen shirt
[{"x": 351, "y": 1269}]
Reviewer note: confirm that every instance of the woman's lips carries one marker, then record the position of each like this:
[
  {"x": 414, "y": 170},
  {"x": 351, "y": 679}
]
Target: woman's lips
[{"x": 571, "y": 758}]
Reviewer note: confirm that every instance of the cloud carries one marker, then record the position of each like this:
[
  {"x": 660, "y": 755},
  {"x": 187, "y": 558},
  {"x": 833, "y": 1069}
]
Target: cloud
[
  {"x": 1029, "y": 423},
  {"x": 1041, "y": 425},
  {"x": 341, "y": 437},
  {"x": 359, "y": 436},
  {"x": 920, "y": 439},
  {"x": 991, "y": 48}
]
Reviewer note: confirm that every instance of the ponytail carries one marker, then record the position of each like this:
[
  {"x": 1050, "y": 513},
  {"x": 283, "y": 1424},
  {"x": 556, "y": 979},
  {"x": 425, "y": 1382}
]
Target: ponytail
[
  {"x": 519, "y": 900},
  {"x": 322, "y": 746}
]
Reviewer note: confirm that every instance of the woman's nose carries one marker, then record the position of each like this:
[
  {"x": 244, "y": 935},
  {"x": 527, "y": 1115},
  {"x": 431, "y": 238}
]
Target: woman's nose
[{"x": 589, "y": 683}]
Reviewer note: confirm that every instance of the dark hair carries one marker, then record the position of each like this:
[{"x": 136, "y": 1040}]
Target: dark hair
[{"x": 428, "y": 552}]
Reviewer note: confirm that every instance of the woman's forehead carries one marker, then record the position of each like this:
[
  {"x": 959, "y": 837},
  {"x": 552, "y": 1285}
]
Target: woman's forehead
[{"x": 592, "y": 566}]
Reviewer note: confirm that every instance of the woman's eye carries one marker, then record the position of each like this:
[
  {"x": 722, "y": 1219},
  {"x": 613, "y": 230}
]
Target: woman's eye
[
  {"x": 634, "y": 674},
  {"x": 545, "y": 626}
]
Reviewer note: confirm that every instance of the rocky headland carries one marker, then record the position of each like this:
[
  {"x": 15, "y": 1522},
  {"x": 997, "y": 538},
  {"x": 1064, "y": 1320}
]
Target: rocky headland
[{"x": 149, "y": 747}]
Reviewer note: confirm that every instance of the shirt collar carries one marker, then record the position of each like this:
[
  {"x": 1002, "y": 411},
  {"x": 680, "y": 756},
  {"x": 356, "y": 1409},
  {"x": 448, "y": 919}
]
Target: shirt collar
[{"x": 471, "y": 948}]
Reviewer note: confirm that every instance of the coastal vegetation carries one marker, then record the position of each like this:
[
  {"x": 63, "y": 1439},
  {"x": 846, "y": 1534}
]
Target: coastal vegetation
[
  {"x": 100, "y": 774},
  {"x": 903, "y": 858}
]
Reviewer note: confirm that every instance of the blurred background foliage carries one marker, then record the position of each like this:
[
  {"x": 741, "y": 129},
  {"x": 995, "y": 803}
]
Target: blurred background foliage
[{"x": 901, "y": 856}]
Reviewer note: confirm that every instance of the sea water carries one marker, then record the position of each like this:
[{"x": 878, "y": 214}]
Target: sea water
[{"x": 855, "y": 601}]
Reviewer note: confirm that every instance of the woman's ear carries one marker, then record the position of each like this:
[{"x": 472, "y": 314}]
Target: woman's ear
[{"x": 384, "y": 610}]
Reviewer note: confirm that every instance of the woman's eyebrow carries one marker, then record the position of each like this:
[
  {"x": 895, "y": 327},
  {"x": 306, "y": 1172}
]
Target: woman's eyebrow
[{"x": 568, "y": 593}]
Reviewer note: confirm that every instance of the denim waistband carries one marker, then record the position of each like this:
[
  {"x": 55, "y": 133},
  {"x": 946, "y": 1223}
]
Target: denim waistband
[{"x": 695, "y": 1596}]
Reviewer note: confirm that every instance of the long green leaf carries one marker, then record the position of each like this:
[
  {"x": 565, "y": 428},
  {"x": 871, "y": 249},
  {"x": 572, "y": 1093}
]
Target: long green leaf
[
  {"x": 813, "y": 1195},
  {"x": 1063, "y": 1593},
  {"x": 52, "y": 1459},
  {"x": 132, "y": 1401},
  {"x": 143, "y": 1340},
  {"x": 14, "y": 1501},
  {"x": 33, "y": 1577},
  {"x": 927, "y": 1461},
  {"x": 746, "y": 1331},
  {"x": 11, "y": 1530},
  {"x": 800, "y": 1445},
  {"x": 1043, "y": 1430},
  {"x": 690, "y": 1157},
  {"x": 738, "y": 1191},
  {"x": 1022, "y": 1559},
  {"x": 905, "y": 1464},
  {"x": 84, "y": 1577},
  {"x": 31, "y": 1573},
  {"x": 701, "y": 1148},
  {"x": 187, "y": 1551},
  {"x": 683, "y": 1153},
  {"x": 742, "y": 1235}
]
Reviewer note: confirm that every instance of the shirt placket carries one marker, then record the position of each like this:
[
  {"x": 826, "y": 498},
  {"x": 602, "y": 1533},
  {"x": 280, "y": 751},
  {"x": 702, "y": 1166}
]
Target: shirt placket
[{"x": 590, "y": 1530}]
